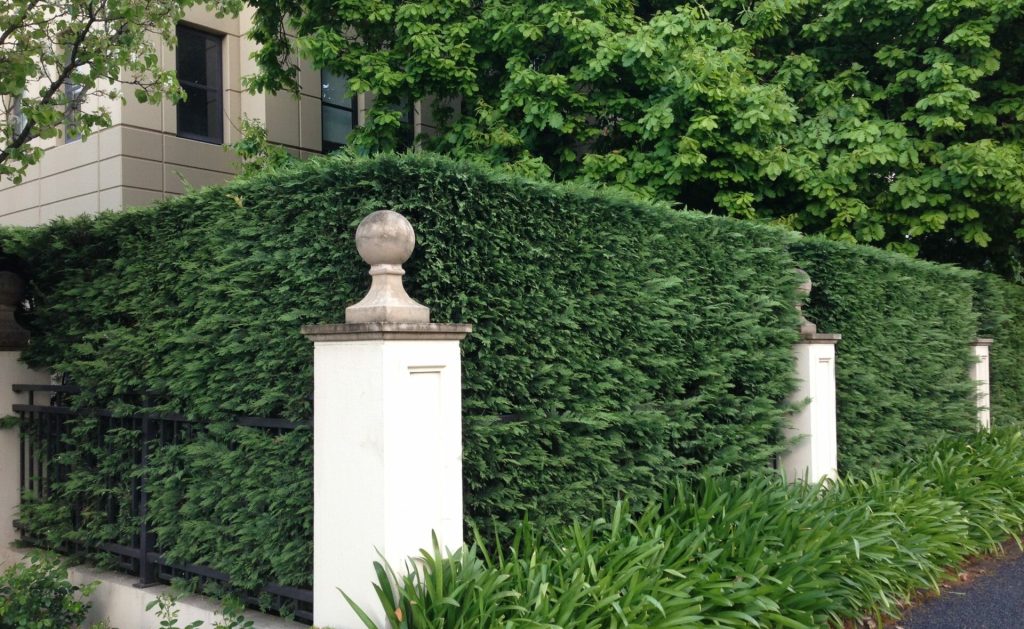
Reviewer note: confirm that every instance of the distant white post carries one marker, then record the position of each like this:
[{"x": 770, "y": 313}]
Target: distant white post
[
  {"x": 387, "y": 431},
  {"x": 13, "y": 339},
  {"x": 981, "y": 349},
  {"x": 814, "y": 455}
]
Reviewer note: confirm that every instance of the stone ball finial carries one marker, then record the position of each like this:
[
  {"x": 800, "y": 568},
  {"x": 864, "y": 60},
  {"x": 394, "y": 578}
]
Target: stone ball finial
[
  {"x": 385, "y": 237},
  {"x": 805, "y": 287},
  {"x": 385, "y": 240},
  {"x": 12, "y": 290},
  {"x": 805, "y": 282}
]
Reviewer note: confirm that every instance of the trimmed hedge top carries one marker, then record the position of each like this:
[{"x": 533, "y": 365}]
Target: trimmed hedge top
[{"x": 617, "y": 345}]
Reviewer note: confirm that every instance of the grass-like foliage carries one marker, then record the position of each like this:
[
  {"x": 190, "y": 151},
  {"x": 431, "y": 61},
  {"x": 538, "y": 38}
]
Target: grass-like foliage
[{"x": 739, "y": 552}]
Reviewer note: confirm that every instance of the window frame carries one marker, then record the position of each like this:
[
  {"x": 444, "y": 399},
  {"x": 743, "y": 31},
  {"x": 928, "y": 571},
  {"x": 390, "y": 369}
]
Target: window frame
[
  {"x": 216, "y": 90},
  {"x": 407, "y": 133}
]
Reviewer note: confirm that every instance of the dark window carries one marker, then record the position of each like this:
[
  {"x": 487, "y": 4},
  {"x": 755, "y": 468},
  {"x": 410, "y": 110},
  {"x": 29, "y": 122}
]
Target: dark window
[
  {"x": 407, "y": 132},
  {"x": 337, "y": 110},
  {"x": 200, "y": 115}
]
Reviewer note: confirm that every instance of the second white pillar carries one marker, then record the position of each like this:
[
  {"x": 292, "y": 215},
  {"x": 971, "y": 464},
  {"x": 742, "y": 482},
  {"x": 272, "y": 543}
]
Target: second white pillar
[
  {"x": 387, "y": 455},
  {"x": 981, "y": 349},
  {"x": 814, "y": 455}
]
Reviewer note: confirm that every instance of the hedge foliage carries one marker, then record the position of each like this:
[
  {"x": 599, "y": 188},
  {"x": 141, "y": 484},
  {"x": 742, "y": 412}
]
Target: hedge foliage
[
  {"x": 617, "y": 345},
  {"x": 1004, "y": 321},
  {"x": 632, "y": 343},
  {"x": 736, "y": 552},
  {"x": 902, "y": 362}
]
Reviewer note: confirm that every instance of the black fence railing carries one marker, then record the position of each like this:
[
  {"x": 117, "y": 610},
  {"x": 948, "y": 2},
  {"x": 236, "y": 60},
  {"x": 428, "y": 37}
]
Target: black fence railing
[{"x": 45, "y": 439}]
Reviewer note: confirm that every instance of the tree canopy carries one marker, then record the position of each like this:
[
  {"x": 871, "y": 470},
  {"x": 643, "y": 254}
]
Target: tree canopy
[
  {"x": 61, "y": 60},
  {"x": 898, "y": 123}
]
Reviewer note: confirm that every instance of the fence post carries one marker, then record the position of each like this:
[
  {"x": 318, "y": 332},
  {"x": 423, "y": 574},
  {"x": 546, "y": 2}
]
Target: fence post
[
  {"x": 13, "y": 339},
  {"x": 981, "y": 349},
  {"x": 814, "y": 455},
  {"x": 387, "y": 431},
  {"x": 148, "y": 573}
]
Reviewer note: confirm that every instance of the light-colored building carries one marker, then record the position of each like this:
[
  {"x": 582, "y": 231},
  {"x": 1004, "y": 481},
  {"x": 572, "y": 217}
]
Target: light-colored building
[{"x": 152, "y": 151}]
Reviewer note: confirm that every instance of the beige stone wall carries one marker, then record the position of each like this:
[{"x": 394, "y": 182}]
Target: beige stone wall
[{"x": 117, "y": 167}]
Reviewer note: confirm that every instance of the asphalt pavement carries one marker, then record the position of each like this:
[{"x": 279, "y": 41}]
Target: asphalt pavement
[{"x": 993, "y": 598}]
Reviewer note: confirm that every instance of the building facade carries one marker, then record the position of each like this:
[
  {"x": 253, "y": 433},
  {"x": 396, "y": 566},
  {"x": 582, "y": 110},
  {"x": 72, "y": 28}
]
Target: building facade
[{"x": 153, "y": 151}]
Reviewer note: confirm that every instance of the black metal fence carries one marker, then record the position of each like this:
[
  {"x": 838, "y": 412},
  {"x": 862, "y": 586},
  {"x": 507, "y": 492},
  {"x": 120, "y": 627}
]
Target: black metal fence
[{"x": 46, "y": 438}]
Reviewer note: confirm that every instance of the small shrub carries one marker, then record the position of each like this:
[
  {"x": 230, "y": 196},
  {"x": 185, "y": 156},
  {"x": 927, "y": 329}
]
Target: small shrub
[
  {"x": 167, "y": 612},
  {"x": 39, "y": 596}
]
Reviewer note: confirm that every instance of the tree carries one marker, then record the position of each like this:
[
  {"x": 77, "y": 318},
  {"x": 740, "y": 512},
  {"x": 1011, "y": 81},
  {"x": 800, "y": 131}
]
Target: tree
[
  {"x": 911, "y": 122},
  {"x": 59, "y": 58},
  {"x": 897, "y": 123}
]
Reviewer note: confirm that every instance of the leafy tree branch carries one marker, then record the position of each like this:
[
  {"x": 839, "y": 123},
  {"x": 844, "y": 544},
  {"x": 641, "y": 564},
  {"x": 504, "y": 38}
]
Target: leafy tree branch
[
  {"x": 899, "y": 124},
  {"x": 61, "y": 60}
]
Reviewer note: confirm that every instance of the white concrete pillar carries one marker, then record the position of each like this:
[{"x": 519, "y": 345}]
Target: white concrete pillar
[
  {"x": 13, "y": 339},
  {"x": 387, "y": 433},
  {"x": 981, "y": 349},
  {"x": 814, "y": 455}
]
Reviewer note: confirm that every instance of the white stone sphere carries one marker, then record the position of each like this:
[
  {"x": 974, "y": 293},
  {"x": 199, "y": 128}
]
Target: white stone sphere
[{"x": 385, "y": 237}]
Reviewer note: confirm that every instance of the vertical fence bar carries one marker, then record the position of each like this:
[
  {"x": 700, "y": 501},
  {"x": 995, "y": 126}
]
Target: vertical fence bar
[
  {"x": 13, "y": 441},
  {"x": 148, "y": 571},
  {"x": 31, "y": 460},
  {"x": 23, "y": 454},
  {"x": 76, "y": 504}
]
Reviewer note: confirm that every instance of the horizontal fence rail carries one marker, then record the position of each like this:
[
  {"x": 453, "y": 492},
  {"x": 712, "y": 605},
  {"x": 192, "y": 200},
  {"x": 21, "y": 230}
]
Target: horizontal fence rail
[{"x": 44, "y": 441}]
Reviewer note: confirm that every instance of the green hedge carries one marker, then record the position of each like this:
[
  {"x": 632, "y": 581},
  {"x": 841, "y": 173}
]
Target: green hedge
[
  {"x": 902, "y": 364},
  {"x": 633, "y": 343},
  {"x": 617, "y": 345},
  {"x": 735, "y": 552},
  {"x": 1001, "y": 307}
]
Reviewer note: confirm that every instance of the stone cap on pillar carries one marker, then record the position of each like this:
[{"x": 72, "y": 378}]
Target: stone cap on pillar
[
  {"x": 983, "y": 340},
  {"x": 820, "y": 338},
  {"x": 808, "y": 330},
  {"x": 385, "y": 331},
  {"x": 12, "y": 290},
  {"x": 385, "y": 240}
]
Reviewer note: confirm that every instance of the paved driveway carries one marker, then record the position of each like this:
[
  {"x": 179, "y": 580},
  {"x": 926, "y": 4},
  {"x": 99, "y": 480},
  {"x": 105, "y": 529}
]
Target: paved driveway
[{"x": 994, "y": 599}]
